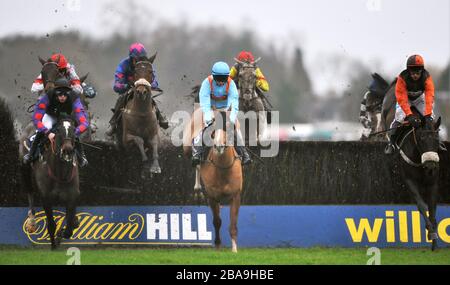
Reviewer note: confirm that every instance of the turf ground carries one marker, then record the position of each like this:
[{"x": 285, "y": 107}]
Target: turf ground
[{"x": 246, "y": 256}]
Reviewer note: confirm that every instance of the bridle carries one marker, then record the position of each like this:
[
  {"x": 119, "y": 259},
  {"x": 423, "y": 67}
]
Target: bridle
[{"x": 403, "y": 154}]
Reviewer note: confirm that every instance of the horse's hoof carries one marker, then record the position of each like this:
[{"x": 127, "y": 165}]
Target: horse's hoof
[
  {"x": 233, "y": 246},
  {"x": 30, "y": 227},
  {"x": 76, "y": 223},
  {"x": 155, "y": 170},
  {"x": 66, "y": 235},
  {"x": 54, "y": 247},
  {"x": 432, "y": 236},
  {"x": 434, "y": 245}
]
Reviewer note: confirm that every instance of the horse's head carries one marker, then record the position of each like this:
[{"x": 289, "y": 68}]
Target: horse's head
[
  {"x": 49, "y": 73},
  {"x": 247, "y": 80},
  {"x": 143, "y": 77},
  {"x": 427, "y": 137},
  {"x": 65, "y": 139}
]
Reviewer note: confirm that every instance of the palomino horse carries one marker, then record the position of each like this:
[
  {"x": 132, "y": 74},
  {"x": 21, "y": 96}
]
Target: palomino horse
[
  {"x": 221, "y": 173},
  {"x": 139, "y": 123},
  {"x": 55, "y": 175},
  {"x": 250, "y": 101},
  {"x": 420, "y": 171}
]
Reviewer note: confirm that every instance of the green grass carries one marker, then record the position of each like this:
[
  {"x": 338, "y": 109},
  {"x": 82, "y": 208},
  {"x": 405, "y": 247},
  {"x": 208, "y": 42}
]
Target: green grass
[{"x": 246, "y": 256}]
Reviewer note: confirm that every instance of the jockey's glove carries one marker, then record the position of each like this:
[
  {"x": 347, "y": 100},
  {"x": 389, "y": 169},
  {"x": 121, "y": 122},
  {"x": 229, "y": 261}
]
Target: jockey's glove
[
  {"x": 208, "y": 123},
  {"x": 413, "y": 121},
  {"x": 429, "y": 122}
]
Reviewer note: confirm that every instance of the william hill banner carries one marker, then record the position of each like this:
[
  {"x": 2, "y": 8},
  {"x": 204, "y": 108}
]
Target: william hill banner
[{"x": 258, "y": 226}]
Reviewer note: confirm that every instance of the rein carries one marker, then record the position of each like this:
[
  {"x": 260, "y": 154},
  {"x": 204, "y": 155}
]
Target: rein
[
  {"x": 403, "y": 154},
  {"x": 209, "y": 160}
]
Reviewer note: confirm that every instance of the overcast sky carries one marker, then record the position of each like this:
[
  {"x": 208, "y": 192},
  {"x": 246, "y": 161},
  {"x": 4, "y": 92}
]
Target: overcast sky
[{"x": 381, "y": 33}]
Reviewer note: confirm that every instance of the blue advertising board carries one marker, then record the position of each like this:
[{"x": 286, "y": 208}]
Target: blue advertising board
[{"x": 258, "y": 226}]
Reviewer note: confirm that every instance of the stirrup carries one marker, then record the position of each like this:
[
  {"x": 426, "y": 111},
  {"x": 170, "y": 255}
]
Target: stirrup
[{"x": 390, "y": 149}]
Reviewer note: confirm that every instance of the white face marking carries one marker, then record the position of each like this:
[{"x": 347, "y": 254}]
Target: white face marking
[{"x": 66, "y": 126}]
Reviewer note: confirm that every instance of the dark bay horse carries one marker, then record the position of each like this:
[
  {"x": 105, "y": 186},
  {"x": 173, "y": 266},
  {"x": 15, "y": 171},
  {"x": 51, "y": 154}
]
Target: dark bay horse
[
  {"x": 56, "y": 177},
  {"x": 249, "y": 100},
  {"x": 222, "y": 177},
  {"x": 420, "y": 171},
  {"x": 49, "y": 73},
  {"x": 139, "y": 122}
]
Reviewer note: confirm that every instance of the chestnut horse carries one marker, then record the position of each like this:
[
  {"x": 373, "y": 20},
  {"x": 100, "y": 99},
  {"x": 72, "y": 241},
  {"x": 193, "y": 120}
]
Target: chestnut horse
[{"x": 221, "y": 174}]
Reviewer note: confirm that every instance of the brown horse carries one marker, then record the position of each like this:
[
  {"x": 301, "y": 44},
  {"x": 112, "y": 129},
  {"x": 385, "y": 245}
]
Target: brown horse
[
  {"x": 49, "y": 74},
  {"x": 250, "y": 101},
  {"x": 222, "y": 177},
  {"x": 56, "y": 177},
  {"x": 139, "y": 122}
]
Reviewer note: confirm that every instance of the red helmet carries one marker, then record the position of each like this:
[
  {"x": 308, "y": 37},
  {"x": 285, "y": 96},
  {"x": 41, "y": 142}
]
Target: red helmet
[
  {"x": 60, "y": 59},
  {"x": 246, "y": 56},
  {"x": 415, "y": 61}
]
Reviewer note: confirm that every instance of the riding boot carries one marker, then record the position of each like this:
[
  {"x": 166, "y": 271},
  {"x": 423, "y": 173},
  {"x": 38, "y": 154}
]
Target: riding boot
[
  {"x": 197, "y": 150},
  {"x": 241, "y": 149},
  {"x": 81, "y": 156},
  {"x": 33, "y": 154},
  {"x": 163, "y": 123},
  {"x": 116, "y": 116},
  {"x": 391, "y": 146}
]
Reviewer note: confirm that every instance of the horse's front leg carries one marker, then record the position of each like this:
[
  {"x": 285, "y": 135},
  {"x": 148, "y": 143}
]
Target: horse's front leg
[
  {"x": 154, "y": 142},
  {"x": 51, "y": 225},
  {"x": 139, "y": 142},
  {"x": 421, "y": 205},
  {"x": 217, "y": 221},
  {"x": 70, "y": 220},
  {"x": 27, "y": 187},
  {"x": 433, "y": 191},
  {"x": 261, "y": 122},
  {"x": 234, "y": 212}
]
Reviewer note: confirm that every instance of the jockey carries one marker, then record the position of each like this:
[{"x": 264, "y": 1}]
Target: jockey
[
  {"x": 60, "y": 100},
  {"x": 67, "y": 69},
  {"x": 219, "y": 91},
  {"x": 122, "y": 84},
  {"x": 247, "y": 57},
  {"x": 414, "y": 87}
]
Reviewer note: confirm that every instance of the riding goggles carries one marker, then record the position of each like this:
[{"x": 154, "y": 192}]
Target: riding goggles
[
  {"x": 62, "y": 92},
  {"x": 220, "y": 78}
]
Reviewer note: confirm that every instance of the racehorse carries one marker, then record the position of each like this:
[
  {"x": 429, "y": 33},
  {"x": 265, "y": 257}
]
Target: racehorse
[
  {"x": 249, "y": 100},
  {"x": 56, "y": 177},
  {"x": 420, "y": 170},
  {"x": 221, "y": 174},
  {"x": 49, "y": 73},
  {"x": 139, "y": 122},
  {"x": 388, "y": 108}
]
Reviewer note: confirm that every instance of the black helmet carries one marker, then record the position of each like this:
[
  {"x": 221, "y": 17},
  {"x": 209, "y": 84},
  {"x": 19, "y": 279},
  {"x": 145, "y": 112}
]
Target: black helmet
[
  {"x": 62, "y": 87},
  {"x": 62, "y": 83}
]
